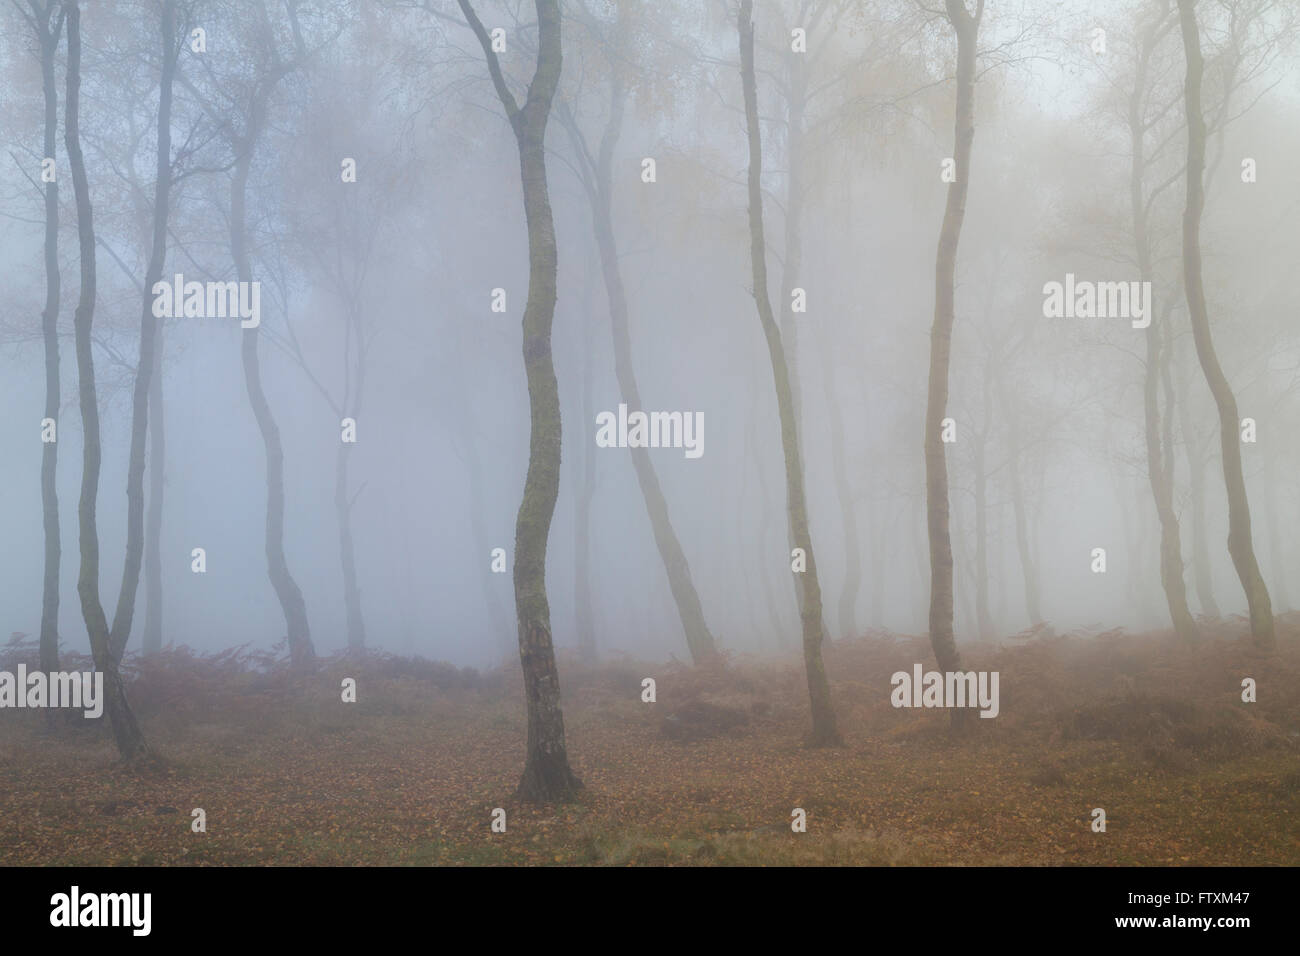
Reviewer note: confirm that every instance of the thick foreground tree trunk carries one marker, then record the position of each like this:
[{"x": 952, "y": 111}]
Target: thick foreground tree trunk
[
  {"x": 824, "y": 731},
  {"x": 547, "y": 776},
  {"x": 942, "y": 639},
  {"x": 1240, "y": 545},
  {"x": 126, "y": 733}
]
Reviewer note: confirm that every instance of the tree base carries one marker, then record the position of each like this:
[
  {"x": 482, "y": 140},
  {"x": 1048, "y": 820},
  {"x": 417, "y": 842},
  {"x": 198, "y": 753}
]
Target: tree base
[
  {"x": 548, "y": 780},
  {"x": 825, "y": 737}
]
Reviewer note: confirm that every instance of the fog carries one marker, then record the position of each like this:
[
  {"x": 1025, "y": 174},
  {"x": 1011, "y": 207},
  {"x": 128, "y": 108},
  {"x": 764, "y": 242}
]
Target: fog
[{"x": 377, "y": 305}]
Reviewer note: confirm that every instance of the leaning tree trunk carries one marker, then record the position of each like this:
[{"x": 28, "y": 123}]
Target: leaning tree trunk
[
  {"x": 302, "y": 654},
  {"x": 824, "y": 730},
  {"x": 152, "y": 639},
  {"x": 1240, "y": 544},
  {"x": 144, "y": 372},
  {"x": 936, "y": 464},
  {"x": 547, "y": 776},
  {"x": 699, "y": 639},
  {"x": 49, "y": 647},
  {"x": 126, "y": 733}
]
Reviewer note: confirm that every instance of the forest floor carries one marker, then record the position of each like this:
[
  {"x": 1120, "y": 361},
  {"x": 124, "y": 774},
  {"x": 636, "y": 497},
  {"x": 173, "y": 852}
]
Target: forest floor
[{"x": 1156, "y": 735}]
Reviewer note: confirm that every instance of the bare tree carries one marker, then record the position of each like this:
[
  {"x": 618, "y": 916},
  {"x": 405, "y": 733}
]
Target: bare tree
[
  {"x": 597, "y": 176},
  {"x": 966, "y": 27},
  {"x": 1240, "y": 544},
  {"x": 48, "y": 28},
  {"x": 824, "y": 731},
  {"x": 254, "y": 106},
  {"x": 124, "y": 615},
  {"x": 126, "y": 733},
  {"x": 547, "y": 776},
  {"x": 1160, "y": 464}
]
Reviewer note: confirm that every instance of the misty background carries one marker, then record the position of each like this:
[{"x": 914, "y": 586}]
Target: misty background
[{"x": 405, "y": 260}]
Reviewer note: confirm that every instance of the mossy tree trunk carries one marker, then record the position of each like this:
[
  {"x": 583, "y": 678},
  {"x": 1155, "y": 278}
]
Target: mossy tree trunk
[{"x": 547, "y": 776}]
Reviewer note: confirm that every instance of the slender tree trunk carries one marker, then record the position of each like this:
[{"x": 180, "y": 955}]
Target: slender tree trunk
[
  {"x": 969, "y": 620},
  {"x": 49, "y": 646},
  {"x": 1194, "y": 450},
  {"x": 1159, "y": 461},
  {"x": 583, "y": 619},
  {"x": 920, "y": 609},
  {"x": 942, "y": 640},
  {"x": 547, "y": 776},
  {"x": 1275, "y": 525},
  {"x": 1133, "y": 583},
  {"x": 757, "y": 631},
  {"x": 123, "y": 617},
  {"x": 699, "y": 639},
  {"x": 152, "y": 641},
  {"x": 848, "y": 615},
  {"x": 796, "y": 104},
  {"x": 126, "y": 733},
  {"x": 302, "y": 654},
  {"x": 1028, "y": 568},
  {"x": 343, "y": 503},
  {"x": 879, "y": 550},
  {"x": 770, "y": 586},
  {"x": 1240, "y": 545},
  {"x": 824, "y": 731},
  {"x": 1171, "y": 559},
  {"x": 347, "y": 553},
  {"x": 502, "y": 631},
  {"x": 983, "y": 617}
]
